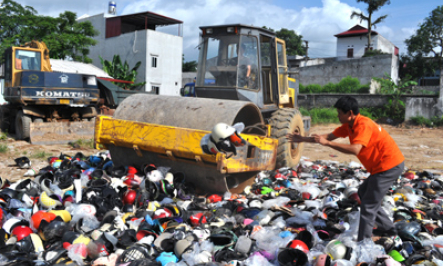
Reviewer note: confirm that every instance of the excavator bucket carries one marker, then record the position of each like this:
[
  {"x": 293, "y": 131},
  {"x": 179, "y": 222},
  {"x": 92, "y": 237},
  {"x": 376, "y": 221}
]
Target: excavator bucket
[
  {"x": 166, "y": 131},
  {"x": 42, "y": 133}
]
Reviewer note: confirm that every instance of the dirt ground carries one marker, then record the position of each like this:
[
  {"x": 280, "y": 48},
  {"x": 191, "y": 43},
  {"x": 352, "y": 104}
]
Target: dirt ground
[{"x": 422, "y": 148}]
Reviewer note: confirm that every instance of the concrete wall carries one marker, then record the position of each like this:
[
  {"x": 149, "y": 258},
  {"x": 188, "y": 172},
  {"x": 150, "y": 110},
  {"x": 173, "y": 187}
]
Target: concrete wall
[
  {"x": 416, "y": 105},
  {"x": 420, "y": 106},
  {"x": 141, "y": 46},
  {"x": 362, "y": 68}
]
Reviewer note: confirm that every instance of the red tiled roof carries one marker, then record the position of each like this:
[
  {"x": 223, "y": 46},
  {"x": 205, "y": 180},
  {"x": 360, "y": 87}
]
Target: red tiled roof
[{"x": 357, "y": 30}]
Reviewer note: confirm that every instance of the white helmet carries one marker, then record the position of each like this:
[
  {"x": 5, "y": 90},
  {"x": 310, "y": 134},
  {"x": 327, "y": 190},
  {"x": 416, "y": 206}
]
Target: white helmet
[
  {"x": 222, "y": 131},
  {"x": 336, "y": 249},
  {"x": 155, "y": 176}
]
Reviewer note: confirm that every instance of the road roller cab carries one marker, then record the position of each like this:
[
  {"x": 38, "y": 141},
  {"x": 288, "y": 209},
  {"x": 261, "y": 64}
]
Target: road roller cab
[{"x": 241, "y": 62}]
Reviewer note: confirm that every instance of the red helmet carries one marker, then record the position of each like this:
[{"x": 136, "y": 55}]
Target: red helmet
[
  {"x": 280, "y": 176},
  {"x": 198, "y": 219},
  {"x": 306, "y": 195},
  {"x": 299, "y": 245},
  {"x": 409, "y": 175},
  {"x": 162, "y": 213},
  {"x": 129, "y": 197},
  {"x": 132, "y": 170},
  {"x": 354, "y": 196},
  {"x": 41, "y": 215},
  {"x": 21, "y": 232},
  {"x": 214, "y": 198}
]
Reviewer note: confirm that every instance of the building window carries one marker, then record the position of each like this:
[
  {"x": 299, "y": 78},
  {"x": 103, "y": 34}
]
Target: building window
[
  {"x": 154, "y": 61},
  {"x": 155, "y": 89},
  {"x": 350, "y": 52},
  {"x": 366, "y": 49}
]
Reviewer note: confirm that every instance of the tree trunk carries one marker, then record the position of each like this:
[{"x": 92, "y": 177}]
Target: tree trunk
[{"x": 369, "y": 30}]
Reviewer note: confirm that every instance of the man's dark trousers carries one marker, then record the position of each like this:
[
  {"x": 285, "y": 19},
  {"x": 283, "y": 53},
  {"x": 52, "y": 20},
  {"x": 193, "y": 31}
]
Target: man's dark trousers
[{"x": 371, "y": 193}]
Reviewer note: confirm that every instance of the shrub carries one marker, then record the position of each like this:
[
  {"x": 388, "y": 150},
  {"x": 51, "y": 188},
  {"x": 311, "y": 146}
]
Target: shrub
[
  {"x": 363, "y": 89},
  {"x": 311, "y": 88},
  {"x": 422, "y": 121},
  {"x": 329, "y": 88},
  {"x": 348, "y": 85},
  {"x": 323, "y": 115},
  {"x": 370, "y": 53}
]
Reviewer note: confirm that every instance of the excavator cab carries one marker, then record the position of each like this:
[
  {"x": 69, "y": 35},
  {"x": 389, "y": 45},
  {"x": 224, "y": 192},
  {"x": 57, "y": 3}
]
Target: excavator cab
[{"x": 240, "y": 62}]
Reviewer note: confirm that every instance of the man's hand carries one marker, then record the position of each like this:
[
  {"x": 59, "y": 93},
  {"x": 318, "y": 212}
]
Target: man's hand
[
  {"x": 295, "y": 137},
  {"x": 320, "y": 139}
]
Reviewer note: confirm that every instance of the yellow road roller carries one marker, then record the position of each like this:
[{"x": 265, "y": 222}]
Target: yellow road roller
[{"x": 242, "y": 77}]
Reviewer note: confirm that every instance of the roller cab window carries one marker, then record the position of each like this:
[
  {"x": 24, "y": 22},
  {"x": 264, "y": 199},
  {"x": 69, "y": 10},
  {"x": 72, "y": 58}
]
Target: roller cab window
[{"x": 228, "y": 61}]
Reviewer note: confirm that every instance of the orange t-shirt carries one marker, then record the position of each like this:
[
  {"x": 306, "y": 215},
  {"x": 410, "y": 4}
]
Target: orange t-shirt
[{"x": 379, "y": 152}]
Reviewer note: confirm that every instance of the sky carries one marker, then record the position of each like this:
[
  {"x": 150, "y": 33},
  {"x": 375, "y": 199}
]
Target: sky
[{"x": 316, "y": 20}]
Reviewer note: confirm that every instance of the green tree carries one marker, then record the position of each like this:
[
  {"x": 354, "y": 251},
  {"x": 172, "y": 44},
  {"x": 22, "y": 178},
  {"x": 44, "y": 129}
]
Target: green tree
[
  {"x": 190, "y": 66},
  {"x": 293, "y": 42},
  {"x": 119, "y": 70},
  {"x": 63, "y": 35},
  {"x": 373, "y": 6},
  {"x": 425, "y": 47}
]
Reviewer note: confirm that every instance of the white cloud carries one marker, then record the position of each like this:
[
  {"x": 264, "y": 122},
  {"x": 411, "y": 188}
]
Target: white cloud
[{"x": 317, "y": 24}]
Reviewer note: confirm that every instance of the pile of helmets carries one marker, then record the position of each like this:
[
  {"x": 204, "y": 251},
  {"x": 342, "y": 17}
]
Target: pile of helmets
[{"x": 84, "y": 210}]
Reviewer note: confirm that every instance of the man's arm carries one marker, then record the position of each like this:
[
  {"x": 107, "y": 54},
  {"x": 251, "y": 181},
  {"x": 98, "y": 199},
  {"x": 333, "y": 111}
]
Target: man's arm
[
  {"x": 327, "y": 140},
  {"x": 345, "y": 148},
  {"x": 298, "y": 138}
]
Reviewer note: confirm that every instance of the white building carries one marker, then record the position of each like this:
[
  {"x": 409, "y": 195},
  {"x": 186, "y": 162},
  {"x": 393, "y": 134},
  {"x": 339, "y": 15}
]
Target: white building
[
  {"x": 134, "y": 38},
  {"x": 354, "y": 42}
]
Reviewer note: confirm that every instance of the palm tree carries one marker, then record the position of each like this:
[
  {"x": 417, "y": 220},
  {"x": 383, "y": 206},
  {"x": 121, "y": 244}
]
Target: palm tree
[{"x": 373, "y": 6}]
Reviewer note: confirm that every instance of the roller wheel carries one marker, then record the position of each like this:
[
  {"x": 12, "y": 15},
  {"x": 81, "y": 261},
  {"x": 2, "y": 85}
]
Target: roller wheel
[
  {"x": 22, "y": 126},
  {"x": 283, "y": 122}
]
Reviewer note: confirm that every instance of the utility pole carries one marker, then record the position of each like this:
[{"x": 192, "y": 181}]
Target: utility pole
[{"x": 307, "y": 47}]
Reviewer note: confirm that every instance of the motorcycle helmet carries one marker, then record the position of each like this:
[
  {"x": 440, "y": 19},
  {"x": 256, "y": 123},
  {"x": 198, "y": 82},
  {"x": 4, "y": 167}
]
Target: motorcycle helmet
[
  {"x": 299, "y": 245},
  {"x": 336, "y": 249},
  {"x": 21, "y": 232},
  {"x": 293, "y": 257},
  {"x": 129, "y": 196},
  {"x": 323, "y": 260},
  {"x": 155, "y": 176}
]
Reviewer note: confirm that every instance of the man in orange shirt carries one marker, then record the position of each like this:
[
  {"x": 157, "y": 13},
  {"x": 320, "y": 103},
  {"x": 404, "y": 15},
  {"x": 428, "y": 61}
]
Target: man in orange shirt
[{"x": 378, "y": 153}]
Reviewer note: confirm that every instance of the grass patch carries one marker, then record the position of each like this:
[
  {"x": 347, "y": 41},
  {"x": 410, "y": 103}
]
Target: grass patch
[
  {"x": 3, "y": 148},
  {"x": 3, "y": 136},
  {"x": 41, "y": 155},
  {"x": 425, "y": 122},
  {"x": 82, "y": 143}
]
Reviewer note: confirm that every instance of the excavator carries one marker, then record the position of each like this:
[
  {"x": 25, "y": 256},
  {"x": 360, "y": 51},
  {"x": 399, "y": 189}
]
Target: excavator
[
  {"x": 45, "y": 107},
  {"x": 242, "y": 77}
]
